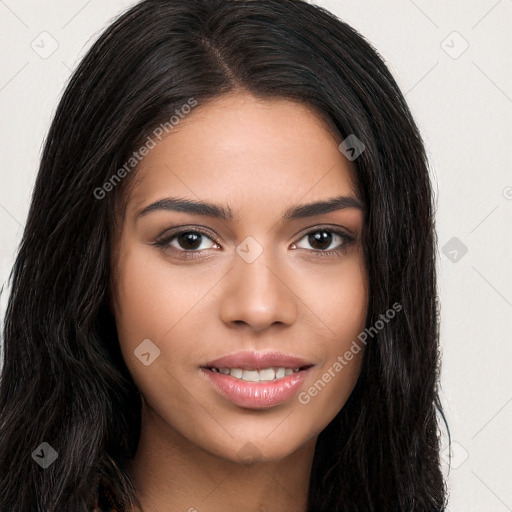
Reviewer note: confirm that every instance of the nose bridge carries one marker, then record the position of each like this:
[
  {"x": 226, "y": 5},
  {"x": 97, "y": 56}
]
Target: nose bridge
[{"x": 258, "y": 293}]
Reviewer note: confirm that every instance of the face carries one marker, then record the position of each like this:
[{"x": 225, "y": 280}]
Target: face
[{"x": 269, "y": 277}]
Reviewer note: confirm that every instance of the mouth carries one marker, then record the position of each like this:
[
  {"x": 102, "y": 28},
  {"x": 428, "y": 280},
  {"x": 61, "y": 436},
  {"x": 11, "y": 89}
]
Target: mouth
[
  {"x": 247, "y": 374},
  {"x": 257, "y": 380}
]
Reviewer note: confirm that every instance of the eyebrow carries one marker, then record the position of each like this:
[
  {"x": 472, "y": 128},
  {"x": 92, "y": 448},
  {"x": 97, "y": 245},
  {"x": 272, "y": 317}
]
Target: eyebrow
[{"x": 224, "y": 212}]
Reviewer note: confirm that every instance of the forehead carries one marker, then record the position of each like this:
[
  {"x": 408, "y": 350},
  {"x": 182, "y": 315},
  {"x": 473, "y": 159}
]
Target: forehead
[{"x": 244, "y": 150}]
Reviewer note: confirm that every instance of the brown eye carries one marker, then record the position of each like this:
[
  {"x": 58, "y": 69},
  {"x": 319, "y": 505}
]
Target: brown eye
[
  {"x": 185, "y": 242},
  {"x": 189, "y": 240},
  {"x": 322, "y": 238}
]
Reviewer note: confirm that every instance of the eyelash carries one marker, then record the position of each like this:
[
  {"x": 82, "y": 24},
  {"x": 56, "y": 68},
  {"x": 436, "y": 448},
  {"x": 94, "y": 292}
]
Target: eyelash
[{"x": 164, "y": 242}]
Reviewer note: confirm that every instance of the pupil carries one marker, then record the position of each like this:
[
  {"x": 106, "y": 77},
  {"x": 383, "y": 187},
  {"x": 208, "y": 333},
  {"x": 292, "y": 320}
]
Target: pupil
[
  {"x": 190, "y": 238},
  {"x": 322, "y": 238}
]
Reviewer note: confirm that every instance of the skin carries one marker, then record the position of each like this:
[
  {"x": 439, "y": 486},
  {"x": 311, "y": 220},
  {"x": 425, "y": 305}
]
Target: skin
[{"x": 259, "y": 157}]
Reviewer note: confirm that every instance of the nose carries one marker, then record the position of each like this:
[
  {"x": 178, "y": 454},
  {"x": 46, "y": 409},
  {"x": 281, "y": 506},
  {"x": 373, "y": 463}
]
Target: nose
[{"x": 258, "y": 294}]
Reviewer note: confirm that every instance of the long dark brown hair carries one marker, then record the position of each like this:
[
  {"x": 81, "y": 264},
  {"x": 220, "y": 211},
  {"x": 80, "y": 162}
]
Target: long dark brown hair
[{"x": 63, "y": 379}]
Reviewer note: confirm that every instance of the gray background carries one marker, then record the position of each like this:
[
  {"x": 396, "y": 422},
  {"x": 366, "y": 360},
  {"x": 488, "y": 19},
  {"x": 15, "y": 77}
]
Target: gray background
[{"x": 462, "y": 100}]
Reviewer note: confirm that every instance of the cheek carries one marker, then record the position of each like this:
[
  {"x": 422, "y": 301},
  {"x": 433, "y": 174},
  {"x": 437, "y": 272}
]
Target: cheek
[
  {"x": 153, "y": 305},
  {"x": 339, "y": 300},
  {"x": 341, "y": 306},
  {"x": 153, "y": 296}
]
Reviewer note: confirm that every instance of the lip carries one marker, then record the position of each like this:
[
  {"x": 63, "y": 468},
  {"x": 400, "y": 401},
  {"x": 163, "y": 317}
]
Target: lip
[
  {"x": 258, "y": 360},
  {"x": 256, "y": 395},
  {"x": 263, "y": 394}
]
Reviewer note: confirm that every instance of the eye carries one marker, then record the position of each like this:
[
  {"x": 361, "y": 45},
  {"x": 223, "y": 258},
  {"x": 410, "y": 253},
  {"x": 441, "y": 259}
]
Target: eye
[
  {"x": 322, "y": 238},
  {"x": 187, "y": 242}
]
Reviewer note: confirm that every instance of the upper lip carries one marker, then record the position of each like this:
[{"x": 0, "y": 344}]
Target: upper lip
[{"x": 258, "y": 361}]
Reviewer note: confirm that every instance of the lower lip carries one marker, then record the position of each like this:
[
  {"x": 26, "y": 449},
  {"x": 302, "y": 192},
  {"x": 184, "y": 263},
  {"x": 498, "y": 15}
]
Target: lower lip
[{"x": 257, "y": 395}]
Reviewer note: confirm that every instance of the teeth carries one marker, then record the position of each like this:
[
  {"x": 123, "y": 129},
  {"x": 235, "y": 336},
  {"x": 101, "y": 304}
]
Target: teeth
[
  {"x": 236, "y": 372},
  {"x": 267, "y": 374},
  {"x": 251, "y": 375}
]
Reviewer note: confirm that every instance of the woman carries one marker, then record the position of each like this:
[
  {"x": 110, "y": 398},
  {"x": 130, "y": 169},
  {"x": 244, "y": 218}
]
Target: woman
[{"x": 225, "y": 295}]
